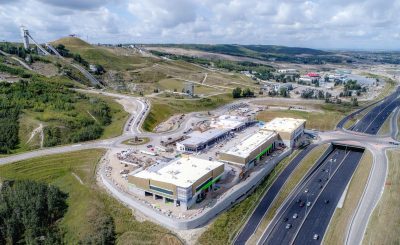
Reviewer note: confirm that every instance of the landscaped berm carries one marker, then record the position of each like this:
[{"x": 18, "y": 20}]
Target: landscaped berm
[{"x": 92, "y": 216}]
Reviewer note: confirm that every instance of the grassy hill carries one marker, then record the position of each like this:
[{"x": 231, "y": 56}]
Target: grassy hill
[
  {"x": 101, "y": 55},
  {"x": 88, "y": 205},
  {"x": 72, "y": 42},
  {"x": 64, "y": 115}
]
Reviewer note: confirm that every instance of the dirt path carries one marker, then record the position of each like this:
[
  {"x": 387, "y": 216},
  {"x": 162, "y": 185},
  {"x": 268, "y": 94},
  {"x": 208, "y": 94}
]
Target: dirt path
[
  {"x": 205, "y": 78},
  {"x": 78, "y": 178},
  {"x": 92, "y": 116},
  {"x": 38, "y": 130}
]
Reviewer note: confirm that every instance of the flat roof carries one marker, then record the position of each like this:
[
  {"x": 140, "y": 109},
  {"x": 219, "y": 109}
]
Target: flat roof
[
  {"x": 227, "y": 123},
  {"x": 182, "y": 172},
  {"x": 284, "y": 124},
  {"x": 197, "y": 137},
  {"x": 248, "y": 145}
]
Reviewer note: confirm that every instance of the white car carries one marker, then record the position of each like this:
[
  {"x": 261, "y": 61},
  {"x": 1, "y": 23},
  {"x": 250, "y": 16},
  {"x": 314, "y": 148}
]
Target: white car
[{"x": 316, "y": 236}]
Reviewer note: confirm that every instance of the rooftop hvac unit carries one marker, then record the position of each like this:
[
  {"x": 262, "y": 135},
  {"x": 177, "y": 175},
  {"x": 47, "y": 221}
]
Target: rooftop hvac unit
[{"x": 194, "y": 165}]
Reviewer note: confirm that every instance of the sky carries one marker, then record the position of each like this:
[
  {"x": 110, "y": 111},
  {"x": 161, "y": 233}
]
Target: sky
[{"x": 323, "y": 24}]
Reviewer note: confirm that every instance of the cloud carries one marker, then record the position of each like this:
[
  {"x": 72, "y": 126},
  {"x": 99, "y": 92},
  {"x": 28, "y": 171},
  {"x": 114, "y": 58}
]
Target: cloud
[
  {"x": 310, "y": 23},
  {"x": 162, "y": 13},
  {"x": 76, "y": 4}
]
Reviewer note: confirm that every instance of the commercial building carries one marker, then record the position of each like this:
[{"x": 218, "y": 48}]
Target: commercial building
[
  {"x": 183, "y": 182},
  {"x": 250, "y": 150},
  {"x": 288, "y": 71},
  {"x": 233, "y": 123},
  {"x": 289, "y": 129},
  {"x": 312, "y": 74},
  {"x": 198, "y": 141}
]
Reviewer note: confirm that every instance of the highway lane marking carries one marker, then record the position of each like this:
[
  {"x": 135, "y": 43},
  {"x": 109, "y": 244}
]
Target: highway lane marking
[{"x": 290, "y": 199}]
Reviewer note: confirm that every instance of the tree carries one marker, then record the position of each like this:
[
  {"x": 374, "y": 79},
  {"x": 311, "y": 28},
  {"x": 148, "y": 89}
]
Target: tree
[
  {"x": 283, "y": 92},
  {"x": 354, "y": 102},
  {"x": 237, "y": 92},
  {"x": 99, "y": 70},
  {"x": 62, "y": 50},
  {"x": 30, "y": 211},
  {"x": 247, "y": 93}
]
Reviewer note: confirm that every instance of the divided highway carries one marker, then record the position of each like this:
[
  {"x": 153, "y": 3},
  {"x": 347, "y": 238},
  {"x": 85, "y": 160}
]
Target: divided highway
[
  {"x": 314, "y": 219},
  {"x": 374, "y": 119},
  {"x": 305, "y": 216},
  {"x": 269, "y": 197}
]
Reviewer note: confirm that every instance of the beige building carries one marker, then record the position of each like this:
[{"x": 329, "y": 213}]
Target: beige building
[
  {"x": 198, "y": 141},
  {"x": 289, "y": 129},
  {"x": 233, "y": 123},
  {"x": 250, "y": 150},
  {"x": 183, "y": 181}
]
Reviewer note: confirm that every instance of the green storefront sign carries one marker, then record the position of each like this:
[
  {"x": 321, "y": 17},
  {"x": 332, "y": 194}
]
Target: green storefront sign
[
  {"x": 263, "y": 152},
  {"x": 210, "y": 183}
]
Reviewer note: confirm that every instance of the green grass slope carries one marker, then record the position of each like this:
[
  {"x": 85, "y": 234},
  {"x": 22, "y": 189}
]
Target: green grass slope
[
  {"x": 87, "y": 203},
  {"x": 101, "y": 55},
  {"x": 67, "y": 116}
]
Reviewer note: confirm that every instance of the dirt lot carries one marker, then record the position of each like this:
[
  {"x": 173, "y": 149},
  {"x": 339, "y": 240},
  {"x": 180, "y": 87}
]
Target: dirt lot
[{"x": 46, "y": 69}]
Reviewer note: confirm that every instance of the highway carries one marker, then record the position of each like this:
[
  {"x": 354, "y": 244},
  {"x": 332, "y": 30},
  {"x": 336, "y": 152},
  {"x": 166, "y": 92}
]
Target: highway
[
  {"x": 373, "y": 120},
  {"x": 268, "y": 198},
  {"x": 317, "y": 220},
  {"x": 308, "y": 202},
  {"x": 321, "y": 212}
]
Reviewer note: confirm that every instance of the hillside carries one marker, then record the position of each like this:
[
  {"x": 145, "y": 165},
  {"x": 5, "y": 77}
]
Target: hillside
[
  {"x": 263, "y": 52},
  {"x": 38, "y": 111},
  {"x": 101, "y": 55},
  {"x": 72, "y": 42}
]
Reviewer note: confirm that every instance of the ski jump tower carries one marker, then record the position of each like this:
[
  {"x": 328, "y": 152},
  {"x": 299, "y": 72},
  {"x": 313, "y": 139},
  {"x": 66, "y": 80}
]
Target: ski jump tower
[{"x": 26, "y": 36}]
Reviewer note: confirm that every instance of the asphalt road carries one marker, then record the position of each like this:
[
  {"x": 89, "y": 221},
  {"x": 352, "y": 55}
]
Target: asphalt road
[
  {"x": 317, "y": 218},
  {"x": 320, "y": 215},
  {"x": 269, "y": 196},
  {"x": 304, "y": 202},
  {"x": 374, "y": 119}
]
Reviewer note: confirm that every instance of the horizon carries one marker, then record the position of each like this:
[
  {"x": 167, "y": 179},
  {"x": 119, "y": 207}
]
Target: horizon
[
  {"x": 156, "y": 44},
  {"x": 325, "y": 25}
]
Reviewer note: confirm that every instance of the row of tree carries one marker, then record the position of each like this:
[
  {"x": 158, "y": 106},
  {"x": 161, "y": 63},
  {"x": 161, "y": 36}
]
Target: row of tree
[
  {"x": 29, "y": 212},
  {"x": 9, "y": 127},
  {"x": 239, "y": 93}
]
